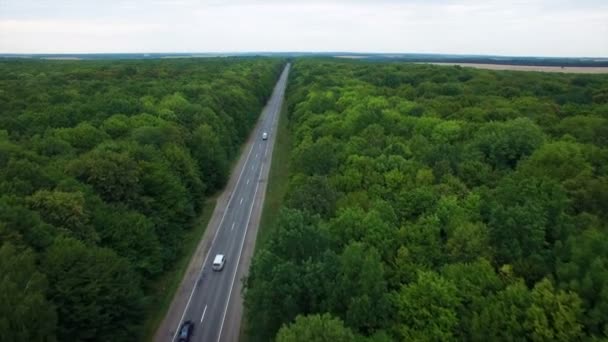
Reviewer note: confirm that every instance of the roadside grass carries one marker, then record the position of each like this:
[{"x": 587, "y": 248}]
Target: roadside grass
[
  {"x": 275, "y": 192},
  {"x": 278, "y": 180},
  {"x": 162, "y": 291}
]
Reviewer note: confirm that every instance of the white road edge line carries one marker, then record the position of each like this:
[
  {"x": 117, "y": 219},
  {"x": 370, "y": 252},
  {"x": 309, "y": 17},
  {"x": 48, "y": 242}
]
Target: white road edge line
[
  {"x": 212, "y": 242},
  {"x": 203, "y": 316},
  {"x": 238, "y": 260}
]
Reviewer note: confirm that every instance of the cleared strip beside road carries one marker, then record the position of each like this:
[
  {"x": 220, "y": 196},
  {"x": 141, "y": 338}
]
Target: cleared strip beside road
[{"x": 212, "y": 299}]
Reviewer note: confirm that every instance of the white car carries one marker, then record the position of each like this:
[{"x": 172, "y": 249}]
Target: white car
[
  {"x": 264, "y": 136},
  {"x": 218, "y": 262}
]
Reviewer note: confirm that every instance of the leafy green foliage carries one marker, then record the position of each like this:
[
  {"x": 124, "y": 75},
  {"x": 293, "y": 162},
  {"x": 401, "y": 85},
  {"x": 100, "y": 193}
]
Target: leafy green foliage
[
  {"x": 553, "y": 315},
  {"x": 315, "y": 328},
  {"x": 27, "y": 315},
  {"x": 89, "y": 288},
  {"x": 426, "y": 309},
  {"x": 433, "y": 203}
]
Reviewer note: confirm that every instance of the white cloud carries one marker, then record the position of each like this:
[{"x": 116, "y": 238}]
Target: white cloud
[
  {"x": 80, "y": 27},
  {"x": 534, "y": 27}
]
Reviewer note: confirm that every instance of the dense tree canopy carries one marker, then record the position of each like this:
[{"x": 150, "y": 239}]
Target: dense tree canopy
[
  {"x": 103, "y": 167},
  {"x": 316, "y": 328},
  {"x": 431, "y": 203}
]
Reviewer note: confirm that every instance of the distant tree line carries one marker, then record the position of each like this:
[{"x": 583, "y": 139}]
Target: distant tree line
[
  {"x": 431, "y": 203},
  {"x": 103, "y": 167}
]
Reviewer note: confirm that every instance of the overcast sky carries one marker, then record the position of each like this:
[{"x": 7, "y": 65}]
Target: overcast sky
[{"x": 518, "y": 27}]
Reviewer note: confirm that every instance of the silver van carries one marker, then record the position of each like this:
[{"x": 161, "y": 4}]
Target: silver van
[{"x": 218, "y": 262}]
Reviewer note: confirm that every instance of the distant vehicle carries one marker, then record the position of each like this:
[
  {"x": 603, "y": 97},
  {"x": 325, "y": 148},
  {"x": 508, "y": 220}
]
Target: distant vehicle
[
  {"x": 218, "y": 262},
  {"x": 264, "y": 136},
  {"x": 185, "y": 333}
]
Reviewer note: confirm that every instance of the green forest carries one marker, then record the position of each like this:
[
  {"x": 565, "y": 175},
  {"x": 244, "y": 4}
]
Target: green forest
[
  {"x": 429, "y": 203},
  {"x": 423, "y": 203},
  {"x": 104, "y": 166}
]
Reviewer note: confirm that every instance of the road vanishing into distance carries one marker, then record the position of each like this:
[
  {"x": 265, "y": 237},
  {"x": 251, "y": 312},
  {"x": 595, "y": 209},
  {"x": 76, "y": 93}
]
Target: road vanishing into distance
[{"x": 212, "y": 299}]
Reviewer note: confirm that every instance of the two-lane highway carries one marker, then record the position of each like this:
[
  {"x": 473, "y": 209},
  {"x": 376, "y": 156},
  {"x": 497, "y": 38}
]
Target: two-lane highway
[{"x": 213, "y": 294}]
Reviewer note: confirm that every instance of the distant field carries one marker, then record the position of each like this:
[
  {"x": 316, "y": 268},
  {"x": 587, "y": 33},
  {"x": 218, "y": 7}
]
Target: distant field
[
  {"x": 574, "y": 70},
  {"x": 66, "y": 58},
  {"x": 351, "y": 57}
]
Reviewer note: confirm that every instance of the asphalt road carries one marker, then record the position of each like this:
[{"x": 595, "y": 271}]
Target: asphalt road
[{"x": 211, "y": 299}]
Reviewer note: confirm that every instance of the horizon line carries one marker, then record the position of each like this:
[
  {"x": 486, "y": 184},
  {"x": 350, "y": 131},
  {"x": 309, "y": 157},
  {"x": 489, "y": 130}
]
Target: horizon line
[{"x": 299, "y": 52}]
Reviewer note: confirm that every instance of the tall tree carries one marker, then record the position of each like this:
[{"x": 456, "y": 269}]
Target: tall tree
[
  {"x": 25, "y": 312},
  {"x": 315, "y": 328},
  {"x": 96, "y": 293},
  {"x": 427, "y": 309}
]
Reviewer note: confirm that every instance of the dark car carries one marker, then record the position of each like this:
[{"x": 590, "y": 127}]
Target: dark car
[{"x": 186, "y": 331}]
